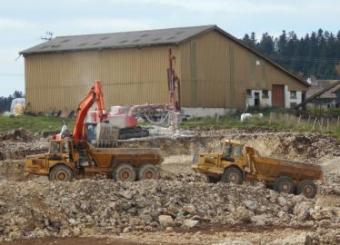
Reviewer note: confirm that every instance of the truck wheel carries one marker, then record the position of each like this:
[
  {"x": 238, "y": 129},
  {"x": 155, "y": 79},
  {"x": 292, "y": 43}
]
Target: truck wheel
[
  {"x": 148, "y": 171},
  {"x": 232, "y": 175},
  {"x": 61, "y": 173},
  {"x": 284, "y": 184},
  {"x": 124, "y": 172},
  {"x": 308, "y": 188}
]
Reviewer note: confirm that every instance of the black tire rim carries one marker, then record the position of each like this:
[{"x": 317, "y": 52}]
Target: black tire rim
[
  {"x": 234, "y": 178},
  {"x": 286, "y": 187},
  {"x": 125, "y": 174},
  {"x": 61, "y": 175},
  {"x": 148, "y": 174},
  {"x": 308, "y": 190}
]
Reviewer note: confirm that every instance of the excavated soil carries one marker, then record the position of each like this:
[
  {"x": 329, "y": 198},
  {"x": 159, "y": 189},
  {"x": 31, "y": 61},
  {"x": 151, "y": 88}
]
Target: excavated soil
[{"x": 179, "y": 208}]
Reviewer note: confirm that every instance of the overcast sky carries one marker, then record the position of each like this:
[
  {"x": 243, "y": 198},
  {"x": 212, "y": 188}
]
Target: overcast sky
[{"x": 23, "y": 23}]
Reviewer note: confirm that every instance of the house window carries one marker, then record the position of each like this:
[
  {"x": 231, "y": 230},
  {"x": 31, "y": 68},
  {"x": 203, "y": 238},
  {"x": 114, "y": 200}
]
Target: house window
[
  {"x": 249, "y": 93},
  {"x": 293, "y": 94},
  {"x": 265, "y": 94}
]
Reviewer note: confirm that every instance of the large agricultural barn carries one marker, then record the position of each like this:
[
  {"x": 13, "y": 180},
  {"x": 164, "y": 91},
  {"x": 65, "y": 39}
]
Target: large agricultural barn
[{"x": 217, "y": 71}]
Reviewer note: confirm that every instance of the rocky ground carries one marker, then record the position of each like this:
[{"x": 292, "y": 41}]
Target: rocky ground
[
  {"x": 179, "y": 208},
  {"x": 18, "y": 143}
]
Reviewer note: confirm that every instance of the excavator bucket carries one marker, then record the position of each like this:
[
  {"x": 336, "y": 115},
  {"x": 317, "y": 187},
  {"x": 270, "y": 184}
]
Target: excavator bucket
[{"x": 106, "y": 135}]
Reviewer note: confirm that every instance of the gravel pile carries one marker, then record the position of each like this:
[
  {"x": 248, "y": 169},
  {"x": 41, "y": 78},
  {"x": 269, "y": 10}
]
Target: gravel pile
[
  {"x": 291, "y": 146},
  {"x": 18, "y": 134},
  {"x": 18, "y": 143},
  {"x": 313, "y": 147},
  {"x": 39, "y": 208}
]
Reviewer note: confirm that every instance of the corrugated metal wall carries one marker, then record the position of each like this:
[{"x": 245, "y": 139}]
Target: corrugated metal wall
[
  {"x": 216, "y": 72},
  {"x": 129, "y": 76},
  {"x": 205, "y": 72}
]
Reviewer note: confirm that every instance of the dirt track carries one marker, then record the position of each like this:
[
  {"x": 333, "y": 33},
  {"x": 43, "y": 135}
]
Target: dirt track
[
  {"x": 72, "y": 241},
  {"x": 217, "y": 235}
]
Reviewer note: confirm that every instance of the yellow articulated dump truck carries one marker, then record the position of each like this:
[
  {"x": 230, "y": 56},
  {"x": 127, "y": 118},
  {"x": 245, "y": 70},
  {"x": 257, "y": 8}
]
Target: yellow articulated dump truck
[
  {"x": 65, "y": 161},
  {"x": 238, "y": 162}
]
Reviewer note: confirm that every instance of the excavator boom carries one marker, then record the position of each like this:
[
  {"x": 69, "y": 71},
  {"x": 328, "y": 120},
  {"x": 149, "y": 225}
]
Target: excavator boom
[{"x": 95, "y": 95}]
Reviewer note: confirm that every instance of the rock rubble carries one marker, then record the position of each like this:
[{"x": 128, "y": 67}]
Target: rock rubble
[{"x": 38, "y": 208}]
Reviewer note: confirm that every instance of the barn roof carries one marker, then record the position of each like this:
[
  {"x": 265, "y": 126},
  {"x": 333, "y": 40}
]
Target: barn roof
[
  {"x": 136, "y": 39},
  {"x": 118, "y": 40}
]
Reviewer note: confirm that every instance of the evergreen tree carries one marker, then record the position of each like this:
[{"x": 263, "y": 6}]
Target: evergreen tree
[
  {"x": 282, "y": 43},
  {"x": 253, "y": 39},
  {"x": 266, "y": 44},
  {"x": 246, "y": 39},
  {"x": 316, "y": 54}
]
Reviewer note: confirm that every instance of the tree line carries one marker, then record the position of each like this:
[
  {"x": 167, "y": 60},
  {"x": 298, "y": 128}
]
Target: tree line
[
  {"x": 5, "y": 102},
  {"x": 315, "y": 54}
]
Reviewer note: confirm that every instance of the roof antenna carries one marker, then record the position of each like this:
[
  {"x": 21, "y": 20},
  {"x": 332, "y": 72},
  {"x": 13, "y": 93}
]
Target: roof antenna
[
  {"x": 18, "y": 57},
  {"x": 48, "y": 36}
]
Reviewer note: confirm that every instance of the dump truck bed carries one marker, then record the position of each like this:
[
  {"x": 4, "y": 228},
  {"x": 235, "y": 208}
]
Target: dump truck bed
[
  {"x": 271, "y": 168},
  {"x": 104, "y": 157}
]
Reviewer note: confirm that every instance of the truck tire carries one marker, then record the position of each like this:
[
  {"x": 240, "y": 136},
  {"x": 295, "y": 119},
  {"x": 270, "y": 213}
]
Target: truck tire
[
  {"x": 61, "y": 173},
  {"x": 124, "y": 172},
  {"x": 307, "y": 188},
  {"x": 284, "y": 184},
  {"x": 232, "y": 175},
  {"x": 148, "y": 171}
]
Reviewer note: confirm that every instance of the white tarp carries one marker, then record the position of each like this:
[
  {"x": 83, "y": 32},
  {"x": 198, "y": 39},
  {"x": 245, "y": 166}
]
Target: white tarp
[{"x": 18, "y": 106}]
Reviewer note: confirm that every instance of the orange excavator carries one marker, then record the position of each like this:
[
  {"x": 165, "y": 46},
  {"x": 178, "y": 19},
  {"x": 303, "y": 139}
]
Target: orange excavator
[
  {"x": 72, "y": 156},
  {"x": 104, "y": 130},
  {"x": 95, "y": 95}
]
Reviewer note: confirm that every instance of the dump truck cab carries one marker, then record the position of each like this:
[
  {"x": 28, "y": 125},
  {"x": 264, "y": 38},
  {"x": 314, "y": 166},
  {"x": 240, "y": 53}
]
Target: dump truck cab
[
  {"x": 231, "y": 156},
  {"x": 61, "y": 153},
  {"x": 62, "y": 150}
]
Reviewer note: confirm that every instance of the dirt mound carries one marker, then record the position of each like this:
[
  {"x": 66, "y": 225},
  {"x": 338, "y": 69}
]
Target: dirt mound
[
  {"x": 18, "y": 149},
  {"x": 309, "y": 146},
  {"x": 291, "y": 146},
  {"x": 41, "y": 208},
  {"x": 18, "y": 134}
]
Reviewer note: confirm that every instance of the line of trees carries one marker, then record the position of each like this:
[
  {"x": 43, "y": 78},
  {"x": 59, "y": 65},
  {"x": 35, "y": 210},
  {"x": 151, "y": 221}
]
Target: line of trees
[
  {"x": 316, "y": 54},
  {"x": 5, "y": 102}
]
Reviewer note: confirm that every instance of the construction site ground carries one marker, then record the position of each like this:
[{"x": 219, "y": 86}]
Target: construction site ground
[{"x": 179, "y": 208}]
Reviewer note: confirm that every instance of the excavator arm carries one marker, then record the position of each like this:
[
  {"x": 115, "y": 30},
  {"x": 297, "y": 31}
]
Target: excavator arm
[{"x": 95, "y": 95}]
